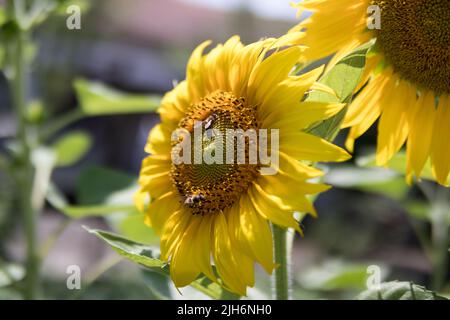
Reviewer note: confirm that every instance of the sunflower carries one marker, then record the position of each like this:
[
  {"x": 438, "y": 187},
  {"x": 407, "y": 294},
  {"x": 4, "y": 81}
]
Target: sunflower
[
  {"x": 224, "y": 211},
  {"x": 407, "y": 77}
]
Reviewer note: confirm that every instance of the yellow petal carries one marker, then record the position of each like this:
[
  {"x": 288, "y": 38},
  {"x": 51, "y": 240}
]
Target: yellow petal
[
  {"x": 156, "y": 184},
  {"x": 303, "y": 116},
  {"x": 303, "y": 146},
  {"x": 154, "y": 164},
  {"x": 393, "y": 127},
  {"x": 183, "y": 268},
  {"x": 440, "y": 151},
  {"x": 317, "y": 86},
  {"x": 217, "y": 65},
  {"x": 321, "y": 37},
  {"x": 233, "y": 216},
  {"x": 175, "y": 104},
  {"x": 201, "y": 247},
  {"x": 269, "y": 73},
  {"x": 161, "y": 209},
  {"x": 159, "y": 140},
  {"x": 288, "y": 94},
  {"x": 173, "y": 231},
  {"x": 297, "y": 169},
  {"x": 257, "y": 231},
  {"x": 367, "y": 103},
  {"x": 292, "y": 192},
  {"x": 272, "y": 208},
  {"x": 421, "y": 133},
  {"x": 366, "y": 108},
  {"x": 140, "y": 198},
  {"x": 233, "y": 276},
  {"x": 194, "y": 74}
]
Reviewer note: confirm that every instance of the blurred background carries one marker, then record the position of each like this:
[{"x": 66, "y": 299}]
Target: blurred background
[{"x": 141, "y": 47}]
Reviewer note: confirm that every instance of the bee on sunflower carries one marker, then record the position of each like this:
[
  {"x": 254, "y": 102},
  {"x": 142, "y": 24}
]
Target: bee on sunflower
[
  {"x": 407, "y": 79},
  {"x": 224, "y": 210}
]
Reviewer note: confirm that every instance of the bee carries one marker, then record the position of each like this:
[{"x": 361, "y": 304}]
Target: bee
[
  {"x": 209, "y": 122},
  {"x": 194, "y": 199}
]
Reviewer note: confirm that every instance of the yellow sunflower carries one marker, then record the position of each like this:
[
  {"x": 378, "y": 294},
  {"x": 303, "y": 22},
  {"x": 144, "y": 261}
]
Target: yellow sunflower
[
  {"x": 223, "y": 210},
  {"x": 407, "y": 80}
]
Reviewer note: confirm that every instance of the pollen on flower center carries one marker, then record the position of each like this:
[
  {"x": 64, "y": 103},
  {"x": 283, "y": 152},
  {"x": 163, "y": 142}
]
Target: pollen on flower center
[
  {"x": 210, "y": 188},
  {"x": 415, "y": 38}
]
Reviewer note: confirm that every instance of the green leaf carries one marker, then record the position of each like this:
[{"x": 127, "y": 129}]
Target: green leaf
[
  {"x": 137, "y": 252},
  {"x": 158, "y": 284},
  {"x": 133, "y": 227},
  {"x": 343, "y": 78},
  {"x": 96, "y": 185},
  {"x": 148, "y": 257},
  {"x": 334, "y": 275},
  {"x": 396, "y": 290},
  {"x": 10, "y": 273},
  {"x": 98, "y": 99},
  {"x": 71, "y": 148},
  {"x": 418, "y": 209},
  {"x": 107, "y": 193},
  {"x": 3, "y": 16},
  {"x": 63, "y": 5},
  {"x": 397, "y": 163},
  {"x": 78, "y": 212},
  {"x": 100, "y": 192},
  {"x": 375, "y": 180},
  {"x": 43, "y": 159}
]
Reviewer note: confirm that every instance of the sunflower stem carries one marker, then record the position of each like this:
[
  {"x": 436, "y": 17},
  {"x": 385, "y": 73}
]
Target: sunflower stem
[
  {"x": 440, "y": 237},
  {"x": 281, "y": 279},
  {"x": 25, "y": 172}
]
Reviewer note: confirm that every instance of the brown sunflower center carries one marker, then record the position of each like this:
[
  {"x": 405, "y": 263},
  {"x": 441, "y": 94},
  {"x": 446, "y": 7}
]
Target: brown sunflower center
[
  {"x": 415, "y": 38},
  {"x": 212, "y": 187}
]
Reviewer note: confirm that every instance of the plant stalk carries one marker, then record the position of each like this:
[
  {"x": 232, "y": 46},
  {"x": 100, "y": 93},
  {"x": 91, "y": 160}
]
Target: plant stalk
[
  {"x": 25, "y": 175},
  {"x": 281, "y": 279},
  {"x": 440, "y": 238}
]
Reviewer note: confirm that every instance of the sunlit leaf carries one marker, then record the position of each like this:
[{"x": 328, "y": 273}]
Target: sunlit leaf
[
  {"x": 419, "y": 210},
  {"x": 102, "y": 195},
  {"x": 98, "y": 99},
  {"x": 158, "y": 284},
  {"x": 71, "y": 148},
  {"x": 375, "y": 180},
  {"x": 63, "y": 5},
  {"x": 148, "y": 257},
  {"x": 78, "y": 212},
  {"x": 396, "y": 290},
  {"x": 335, "y": 275},
  {"x": 10, "y": 273},
  {"x": 397, "y": 163},
  {"x": 97, "y": 185},
  {"x": 343, "y": 78},
  {"x": 3, "y": 16},
  {"x": 133, "y": 227}
]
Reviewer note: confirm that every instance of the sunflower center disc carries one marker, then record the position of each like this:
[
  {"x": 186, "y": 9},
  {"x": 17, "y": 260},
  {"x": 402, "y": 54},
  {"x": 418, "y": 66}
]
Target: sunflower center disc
[
  {"x": 209, "y": 188},
  {"x": 415, "y": 38}
]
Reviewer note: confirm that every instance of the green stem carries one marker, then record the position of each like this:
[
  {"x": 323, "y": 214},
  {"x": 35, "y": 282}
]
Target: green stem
[
  {"x": 281, "y": 279},
  {"x": 61, "y": 122},
  {"x": 438, "y": 198},
  {"x": 440, "y": 238},
  {"x": 26, "y": 171},
  {"x": 97, "y": 270}
]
